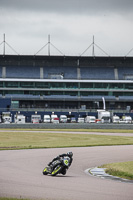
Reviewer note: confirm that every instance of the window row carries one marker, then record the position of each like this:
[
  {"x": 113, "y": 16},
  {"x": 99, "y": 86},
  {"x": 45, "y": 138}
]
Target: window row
[
  {"x": 66, "y": 85},
  {"x": 71, "y": 93}
]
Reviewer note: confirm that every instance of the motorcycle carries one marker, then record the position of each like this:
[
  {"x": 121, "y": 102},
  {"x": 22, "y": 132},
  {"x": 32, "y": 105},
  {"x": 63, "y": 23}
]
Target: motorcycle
[{"x": 58, "y": 167}]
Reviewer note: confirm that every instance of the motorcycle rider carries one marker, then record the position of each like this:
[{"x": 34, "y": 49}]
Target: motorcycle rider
[{"x": 69, "y": 154}]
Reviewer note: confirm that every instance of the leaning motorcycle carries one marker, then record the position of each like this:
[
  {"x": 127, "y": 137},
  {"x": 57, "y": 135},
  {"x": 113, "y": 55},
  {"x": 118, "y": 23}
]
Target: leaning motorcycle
[{"x": 58, "y": 167}]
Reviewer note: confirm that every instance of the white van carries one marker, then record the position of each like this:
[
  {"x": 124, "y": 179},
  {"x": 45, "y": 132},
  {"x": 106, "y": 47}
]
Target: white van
[
  {"x": 104, "y": 116},
  {"x": 35, "y": 119},
  {"x": 81, "y": 120},
  {"x": 127, "y": 119},
  {"x": 54, "y": 119},
  {"x": 6, "y": 117},
  {"x": 90, "y": 119},
  {"x": 115, "y": 119},
  {"x": 46, "y": 119},
  {"x": 63, "y": 118},
  {"x": 19, "y": 119}
]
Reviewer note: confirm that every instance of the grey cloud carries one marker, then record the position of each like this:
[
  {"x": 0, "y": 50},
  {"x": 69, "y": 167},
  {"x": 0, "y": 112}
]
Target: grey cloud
[
  {"x": 69, "y": 6},
  {"x": 27, "y": 24}
]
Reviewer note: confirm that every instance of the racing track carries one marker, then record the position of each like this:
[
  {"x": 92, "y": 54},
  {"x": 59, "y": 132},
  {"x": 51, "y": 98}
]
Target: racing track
[{"x": 21, "y": 174}]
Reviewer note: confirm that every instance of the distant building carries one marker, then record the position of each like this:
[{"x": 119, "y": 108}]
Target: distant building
[{"x": 65, "y": 82}]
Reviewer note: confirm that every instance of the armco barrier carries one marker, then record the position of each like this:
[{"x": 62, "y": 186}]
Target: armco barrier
[{"x": 66, "y": 126}]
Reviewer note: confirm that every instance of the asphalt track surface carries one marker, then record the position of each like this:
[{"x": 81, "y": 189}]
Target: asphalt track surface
[{"x": 21, "y": 174}]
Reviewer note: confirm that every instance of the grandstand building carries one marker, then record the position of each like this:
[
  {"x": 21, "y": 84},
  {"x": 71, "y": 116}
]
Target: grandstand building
[{"x": 65, "y": 82}]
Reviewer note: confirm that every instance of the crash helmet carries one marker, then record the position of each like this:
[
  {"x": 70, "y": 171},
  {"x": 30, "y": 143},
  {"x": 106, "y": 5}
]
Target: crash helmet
[{"x": 70, "y": 153}]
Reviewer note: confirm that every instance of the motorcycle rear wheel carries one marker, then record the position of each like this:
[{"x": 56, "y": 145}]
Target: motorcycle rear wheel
[{"x": 56, "y": 170}]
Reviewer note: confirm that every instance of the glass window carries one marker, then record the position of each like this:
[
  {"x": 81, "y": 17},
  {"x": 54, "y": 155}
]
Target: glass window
[
  {"x": 123, "y": 93},
  {"x": 27, "y": 84},
  {"x": 101, "y": 93},
  {"x": 1, "y": 84},
  {"x": 86, "y": 85},
  {"x": 11, "y": 84},
  {"x": 101, "y": 85},
  {"x": 13, "y": 92},
  {"x": 15, "y": 104},
  {"x": 127, "y": 93},
  {"x": 57, "y": 85},
  {"x": 117, "y": 94},
  {"x": 72, "y": 85},
  {"x": 128, "y": 85},
  {"x": 42, "y": 85},
  {"x": 116, "y": 85},
  {"x": 86, "y": 93},
  {"x": 71, "y": 93},
  {"x": 56, "y": 93}
]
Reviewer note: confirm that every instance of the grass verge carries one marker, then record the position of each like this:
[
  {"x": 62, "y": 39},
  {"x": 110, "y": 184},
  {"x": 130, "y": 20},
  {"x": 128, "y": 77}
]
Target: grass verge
[
  {"x": 30, "y": 140},
  {"x": 122, "y": 169}
]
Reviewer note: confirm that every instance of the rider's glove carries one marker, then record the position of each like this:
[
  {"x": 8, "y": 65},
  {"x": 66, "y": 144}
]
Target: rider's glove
[{"x": 49, "y": 163}]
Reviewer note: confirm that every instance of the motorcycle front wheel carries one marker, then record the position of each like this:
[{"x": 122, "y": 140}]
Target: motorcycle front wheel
[{"x": 45, "y": 171}]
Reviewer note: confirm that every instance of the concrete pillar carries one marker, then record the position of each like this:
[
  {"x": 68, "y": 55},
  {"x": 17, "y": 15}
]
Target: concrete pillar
[
  {"x": 41, "y": 73},
  {"x": 116, "y": 73},
  {"x": 3, "y": 72}
]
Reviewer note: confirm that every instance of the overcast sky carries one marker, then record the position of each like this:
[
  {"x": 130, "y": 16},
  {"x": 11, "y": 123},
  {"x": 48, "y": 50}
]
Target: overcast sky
[{"x": 71, "y": 25}]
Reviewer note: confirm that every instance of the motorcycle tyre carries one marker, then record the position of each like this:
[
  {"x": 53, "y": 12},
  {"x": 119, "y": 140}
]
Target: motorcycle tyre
[
  {"x": 57, "y": 169},
  {"x": 45, "y": 172}
]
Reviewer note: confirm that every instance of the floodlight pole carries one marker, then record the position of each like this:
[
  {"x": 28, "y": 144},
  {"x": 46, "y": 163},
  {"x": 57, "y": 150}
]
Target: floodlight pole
[
  {"x": 49, "y": 45},
  {"x": 4, "y": 44},
  {"x": 93, "y": 50}
]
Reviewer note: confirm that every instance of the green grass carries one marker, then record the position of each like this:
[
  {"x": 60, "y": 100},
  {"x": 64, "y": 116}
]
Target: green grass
[
  {"x": 25, "y": 140},
  {"x": 122, "y": 170}
]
